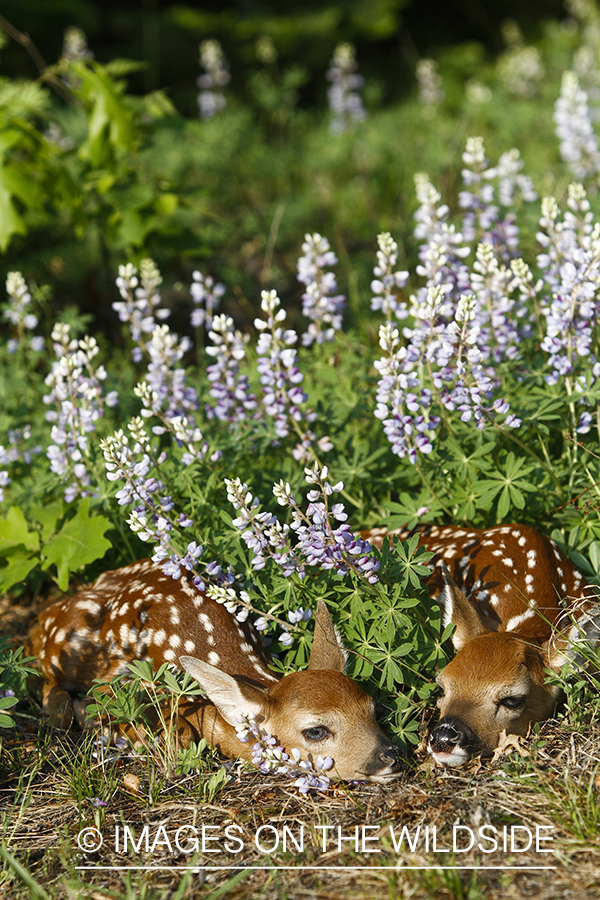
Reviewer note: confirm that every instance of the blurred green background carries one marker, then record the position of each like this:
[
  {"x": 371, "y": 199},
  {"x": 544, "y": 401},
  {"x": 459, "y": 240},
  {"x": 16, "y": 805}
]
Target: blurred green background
[{"x": 105, "y": 162}]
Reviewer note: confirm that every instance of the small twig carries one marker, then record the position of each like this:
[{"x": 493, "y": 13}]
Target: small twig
[{"x": 25, "y": 41}]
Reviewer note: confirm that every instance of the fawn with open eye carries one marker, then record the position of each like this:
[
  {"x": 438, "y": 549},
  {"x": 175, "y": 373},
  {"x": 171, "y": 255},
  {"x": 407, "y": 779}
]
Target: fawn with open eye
[
  {"x": 520, "y": 607},
  {"x": 138, "y": 612}
]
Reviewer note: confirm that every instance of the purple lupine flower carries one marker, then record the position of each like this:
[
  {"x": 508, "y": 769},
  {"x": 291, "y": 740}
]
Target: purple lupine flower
[
  {"x": 165, "y": 393},
  {"x": 283, "y": 398},
  {"x": 17, "y": 451},
  {"x": 431, "y": 86},
  {"x": 399, "y": 397},
  {"x": 443, "y": 251},
  {"x": 574, "y": 128},
  {"x": 271, "y": 758},
  {"x": 312, "y": 539},
  {"x": 478, "y": 198},
  {"x": 140, "y": 304},
  {"x": 150, "y": 517},
  {"x": 448, "y": 348},
  {"x": 571, "y": 265},
  {"x": 234, "y": 400},
  {"x": 76, "y": 392},
  {"x": 388, "y": 283},
  {"x": 318, "y": 541},
  {"x": 206, "y": 294},
  {"x": 18, "y": 312},
  {"x": 482, "y": 219},
  {"x": 320, "y": 302},
  {"x": 503, "y": 320},
  {"x": 345, "y": 102},
  {"x": 211, "y": 98}
]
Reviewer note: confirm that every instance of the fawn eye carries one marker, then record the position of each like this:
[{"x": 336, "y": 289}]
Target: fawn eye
[
  {"x": 318, "y": 733},
  {"x": 512, "y": 702}
]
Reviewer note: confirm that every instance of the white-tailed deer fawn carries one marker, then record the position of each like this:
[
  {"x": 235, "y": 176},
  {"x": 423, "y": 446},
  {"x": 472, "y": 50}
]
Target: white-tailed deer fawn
[
  {"x": 519, "y": 607},
  {"x": 138, "y": 612}
]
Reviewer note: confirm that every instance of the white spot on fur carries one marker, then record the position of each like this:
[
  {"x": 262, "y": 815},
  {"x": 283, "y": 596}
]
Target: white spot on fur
[
  {"x": 214, "y": 658},
  {"x": 88, "y": 605},
  {"x": 515, "y": 621},
  {"x": 206, "y": 623}
]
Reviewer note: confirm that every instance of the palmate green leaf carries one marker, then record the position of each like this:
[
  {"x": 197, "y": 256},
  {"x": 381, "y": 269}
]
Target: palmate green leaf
[
  {"x": 408, "y": 512},
  {"x": 510, "y": 484},
  {"x": 467, "y": 465},
  {"x": 79, "y": 542}
]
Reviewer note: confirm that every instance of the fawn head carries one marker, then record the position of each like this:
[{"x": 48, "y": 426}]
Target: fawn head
[
  {"x": 319, "y": 711},
  {"x": 497, "y": 682}
]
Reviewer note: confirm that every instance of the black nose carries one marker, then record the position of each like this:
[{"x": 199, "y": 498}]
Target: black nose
[
  {"x": 450, "y": 734},
  {"x": 389, "y": 756}
]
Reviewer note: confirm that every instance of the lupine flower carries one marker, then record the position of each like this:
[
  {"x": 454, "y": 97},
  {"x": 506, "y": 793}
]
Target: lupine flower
[
  {"x": 229, "y": 388},
  {"x": 571, "y": 264},
  {"x": 520, "y": 69},
  {"x": 271, "y": 758},
  {"x": 585, "y": 66},
  {"x": 578, "y": 142},
  {"x": 165, "y": 393},
  {"x": 150, "y": 517},
  {"x": 283, "y": 399},
  {"x": 211, "y": 98},
  {"x": 18, "y": 312},
  {"x": 320, "y": 301},
  {"x": 388, "y": 283},
  {"x": 207, "y": 297},
  {"x": 443, "y": 249},
  {"x": 76, "y": 392},
  {"x": 482, "y": 219},
  {"x": 431, "y": 86},
  {"x": 312, "y": 539},
  {"x": 399, "y": 396},
  {"x": 75, "y": 44},
  {"x": 17, "y": 451},
  {"x": 345, "y": 102},
  {"x": 140, "y": 303},
  {"x": 447, "y": 348}
]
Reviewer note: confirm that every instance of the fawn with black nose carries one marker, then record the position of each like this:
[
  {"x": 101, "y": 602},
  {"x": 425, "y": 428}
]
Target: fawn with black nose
[
  {"x": 138, "y": 612},
  {"x": 520, "y": 607}
]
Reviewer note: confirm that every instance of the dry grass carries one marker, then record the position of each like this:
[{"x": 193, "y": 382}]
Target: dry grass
[{"x": 557, "y": 786}]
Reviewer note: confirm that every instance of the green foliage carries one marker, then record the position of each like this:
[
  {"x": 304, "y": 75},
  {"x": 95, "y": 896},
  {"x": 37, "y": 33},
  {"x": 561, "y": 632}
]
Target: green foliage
[
  {"x": 92, "y": 176},
  {"x": 14, "y": 670},
  {"x": 57, "y": 542}
]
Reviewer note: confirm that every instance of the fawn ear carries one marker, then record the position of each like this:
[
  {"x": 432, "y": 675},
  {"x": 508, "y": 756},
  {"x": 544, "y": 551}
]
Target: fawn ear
[
  {"x": 327, "y": 650},
  {"x": 460, "y": 611},
  {"x": 232, "y": 698}
]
